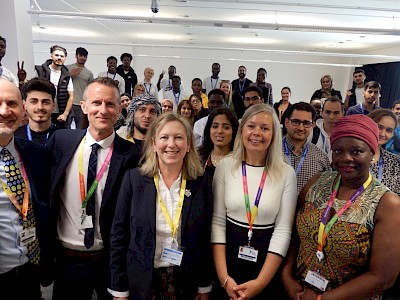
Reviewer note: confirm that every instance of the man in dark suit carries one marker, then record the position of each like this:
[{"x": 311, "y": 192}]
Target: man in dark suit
[
  {"x": 82, "y": 209},
  {"x": 23, "y": 203}
]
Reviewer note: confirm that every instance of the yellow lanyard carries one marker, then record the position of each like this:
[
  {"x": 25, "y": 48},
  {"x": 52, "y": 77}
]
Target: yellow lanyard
[{"x": 174, "y": 225}]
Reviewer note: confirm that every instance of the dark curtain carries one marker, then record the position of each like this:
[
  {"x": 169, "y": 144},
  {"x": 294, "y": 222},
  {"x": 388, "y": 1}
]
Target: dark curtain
[{"x": 388, "y": 75}]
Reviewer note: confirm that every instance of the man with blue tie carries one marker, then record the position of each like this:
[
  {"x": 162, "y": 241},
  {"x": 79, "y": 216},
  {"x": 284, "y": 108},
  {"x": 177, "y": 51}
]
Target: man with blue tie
[
  {"x": 87, "y": 167},
  {"x": 23, "y": 204}
]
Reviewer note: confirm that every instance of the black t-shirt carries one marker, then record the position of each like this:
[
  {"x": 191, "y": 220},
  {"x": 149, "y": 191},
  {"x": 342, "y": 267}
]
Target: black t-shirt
[{"x": 36, "y": 137}]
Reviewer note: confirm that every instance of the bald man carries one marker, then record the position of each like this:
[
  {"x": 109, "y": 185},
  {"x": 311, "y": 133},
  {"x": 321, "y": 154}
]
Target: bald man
[{"x": 25, "y": 182}]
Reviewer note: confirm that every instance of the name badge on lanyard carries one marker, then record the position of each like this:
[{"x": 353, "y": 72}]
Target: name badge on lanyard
[
  {"x": 247, "y": 252},
  {"x": 26, "y": 236},
  {"x": 174, "y": 253},
  {"x": 317, "y": 280}
]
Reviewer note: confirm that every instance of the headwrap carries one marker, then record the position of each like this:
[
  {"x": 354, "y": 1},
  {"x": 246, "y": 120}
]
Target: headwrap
[
  {"x": 141, "y": 100},
  {"x": 358, "y": 126}
]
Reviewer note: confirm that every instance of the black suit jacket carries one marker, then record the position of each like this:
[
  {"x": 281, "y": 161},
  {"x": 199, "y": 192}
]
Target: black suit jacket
[
  {"x": 62, "y": 146},
  {"x": 35, "y": 160},
  {"x": 133, "y": 235}
]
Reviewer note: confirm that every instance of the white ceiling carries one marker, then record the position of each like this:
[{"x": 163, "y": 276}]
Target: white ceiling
[{"x": 345, "y": 27}]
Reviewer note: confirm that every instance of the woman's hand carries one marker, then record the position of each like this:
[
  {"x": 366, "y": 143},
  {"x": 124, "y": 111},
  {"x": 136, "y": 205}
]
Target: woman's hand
[
  {"x": 249, "y": 289},
  {"x": 201, "y": 296},
  {"x": 308, "y": 294},
  {"x": 229, "y": 287}
]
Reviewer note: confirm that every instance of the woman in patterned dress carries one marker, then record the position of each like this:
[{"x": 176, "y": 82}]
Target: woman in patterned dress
[{"x": 347, "y": 241}]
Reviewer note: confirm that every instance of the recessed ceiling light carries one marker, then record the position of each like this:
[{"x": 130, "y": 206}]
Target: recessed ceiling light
[{"x": 158, "y": 36}]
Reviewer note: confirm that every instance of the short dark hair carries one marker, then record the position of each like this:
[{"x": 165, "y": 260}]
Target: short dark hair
[
  {"x": 126, "y": 55},
  {"x": 262, "y": 69},
  {"x": 127, "y": 95},
  {"x": 303, "y": 106},
  {"x": 112, "y": 57},
  {"x": 57, "y": 47},
  {"x": 253, "y": 88},
  {"x": 358, "y": 71},
  {"x": 332, "y": 99},
  {"x": 216, "y": 64},
  {"x": 176, "y": 77},
  {"x": 208, "y": 145},
  {"x": 395, "y": 103},
  {"x": 39, "y": 84},
  {"x": 372, "y": 85},
  {"x": 287, "y": 88},
  {"x": 81, "y": 51},
  {"x": 3, "y": 39},
  {"x": 242, "y": 67},
  {"x": 216, "y": 92},
  {"x": 197, "y": 79}
]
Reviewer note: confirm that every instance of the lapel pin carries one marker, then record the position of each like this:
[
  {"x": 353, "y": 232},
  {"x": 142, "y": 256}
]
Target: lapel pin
[{"x": 187, "y": 193}]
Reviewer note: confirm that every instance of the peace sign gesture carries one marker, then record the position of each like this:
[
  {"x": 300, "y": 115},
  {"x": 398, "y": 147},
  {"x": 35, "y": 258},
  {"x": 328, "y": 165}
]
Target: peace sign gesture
[{"x": 21, "y": 72}]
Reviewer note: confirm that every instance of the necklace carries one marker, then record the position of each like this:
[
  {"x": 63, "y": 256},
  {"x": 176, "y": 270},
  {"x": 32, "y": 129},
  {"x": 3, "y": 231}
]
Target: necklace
[{"x": 215, "y": 159}]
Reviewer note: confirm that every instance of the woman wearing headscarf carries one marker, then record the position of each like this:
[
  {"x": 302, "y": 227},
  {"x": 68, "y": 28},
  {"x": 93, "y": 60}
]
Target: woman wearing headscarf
[{"x": 347, "y": 244}]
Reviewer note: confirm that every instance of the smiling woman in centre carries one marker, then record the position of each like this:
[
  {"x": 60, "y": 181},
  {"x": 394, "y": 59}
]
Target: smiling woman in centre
[
  {"x": 161, "y": 232},
  {"x": 254, "y": 205}
]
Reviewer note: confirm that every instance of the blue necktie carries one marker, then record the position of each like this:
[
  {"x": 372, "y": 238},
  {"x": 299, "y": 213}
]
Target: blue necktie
[{"x": 90, "y": 206}]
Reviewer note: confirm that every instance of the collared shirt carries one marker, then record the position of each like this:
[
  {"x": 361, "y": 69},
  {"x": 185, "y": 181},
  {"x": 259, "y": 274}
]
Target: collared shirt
[
  {"x": 71, "y": 204},
  {"x": 210, "y": 84},
  {"x": 11, "y": 254},
  {"x": 175, "y": 98},
  {"x": 359, "y": 109},
  {"x": 315, "y": 161},
  {"x": 170, "y": 196}
]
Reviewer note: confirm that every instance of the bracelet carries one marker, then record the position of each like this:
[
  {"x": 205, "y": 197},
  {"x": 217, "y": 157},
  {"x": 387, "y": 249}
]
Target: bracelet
[
  {"x": 319, "y": 297},
  {"x": 225, "y": 281}
]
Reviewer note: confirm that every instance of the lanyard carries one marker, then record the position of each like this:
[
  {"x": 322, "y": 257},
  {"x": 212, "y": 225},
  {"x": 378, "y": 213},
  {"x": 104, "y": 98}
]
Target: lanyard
[
  {"x": 175, "y": 224},
  {"x": 325, "y": 226},
  {"x": 115, "y": 74},
  {"x": 251, "y": 214},
  {"x": 324, "y": 143},
  {"x": 380, "y": 167},
  {"x": 85, "y": 198},
  {"x": 362, "y": 108},
  {"x": 241, "y": 86},
  {"x": 29, "y": 133},
  {"x": 288, "y": 155},
  {"x": 215, "y": 85},
  {"x": 13, "y": 197},
  {"x": 147, "y": 90},
  {"x": 177, "y": 98}
]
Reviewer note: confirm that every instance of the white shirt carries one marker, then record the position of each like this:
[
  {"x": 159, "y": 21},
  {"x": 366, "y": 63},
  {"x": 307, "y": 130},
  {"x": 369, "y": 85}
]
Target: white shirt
[
  {"x": 175, "y": 98},
  {"x": 71, "y": 204},
  {"x": 359, "y": 95},
  {"x": 116, "y": 76},
  {"x": 54, "y": 79},
  {"x": 11, "y": 254},
  {"x": 324, "y": 140},
  {"x": 210, "y": 84},
  {"x": 150, "y": 89},
  {"x": 198, "y": 130},
  {"x": 8, "y": 75}
]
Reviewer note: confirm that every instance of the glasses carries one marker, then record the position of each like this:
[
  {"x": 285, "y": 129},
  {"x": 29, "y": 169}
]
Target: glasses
[
  {"x": 296, "y": 122},
  {"x": 195, "y": 101},
  {"x": 254, "y": 98}
]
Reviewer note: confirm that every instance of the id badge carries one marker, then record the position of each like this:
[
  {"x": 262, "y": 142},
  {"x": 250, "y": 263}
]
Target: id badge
[
  {"x": 248, "y": 253},
  {"x": 83, "y": 222},
  {"x": 317, "y": 280},
  {"x": 26, "y": 236},
  {"x": 172, "y": 256}
]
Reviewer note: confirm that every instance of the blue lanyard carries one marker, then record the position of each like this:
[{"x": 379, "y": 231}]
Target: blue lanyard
[
  {"x": 177, "y": 98},
  {"x": 288, "y": 155},
  {"x": 362, "y": 109},
  {"x": 29, "y": 133},
  {"x": 113, "y": 76},
  {"x": 241, "y": 86},
  {"x": 215, "y": 85},
  {"x": 324, "y": 143}
]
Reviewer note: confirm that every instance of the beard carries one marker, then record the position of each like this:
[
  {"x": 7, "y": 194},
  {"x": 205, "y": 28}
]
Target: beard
[
  {"x": 242, "y": 75},
  {"x": 141, "y": 129}
]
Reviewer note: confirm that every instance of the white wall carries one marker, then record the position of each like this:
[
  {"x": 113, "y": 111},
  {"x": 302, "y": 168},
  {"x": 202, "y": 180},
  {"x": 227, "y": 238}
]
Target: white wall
[{"x": 301, "y": 77}]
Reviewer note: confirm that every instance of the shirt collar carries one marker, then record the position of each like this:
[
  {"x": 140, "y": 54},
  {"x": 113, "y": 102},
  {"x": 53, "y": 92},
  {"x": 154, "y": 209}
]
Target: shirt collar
[
  {"x": 11, "y": 148},
  {"x": 291, "y": 146},
  {"x": 104, "y": 144}
]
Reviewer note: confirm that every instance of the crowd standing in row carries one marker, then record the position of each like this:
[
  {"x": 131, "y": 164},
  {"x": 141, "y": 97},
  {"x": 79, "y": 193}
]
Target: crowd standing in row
[{"x": 142, "y": 203}]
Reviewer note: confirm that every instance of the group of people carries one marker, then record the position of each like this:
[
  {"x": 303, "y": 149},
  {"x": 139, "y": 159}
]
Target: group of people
[{"x": 151, "y": 204}]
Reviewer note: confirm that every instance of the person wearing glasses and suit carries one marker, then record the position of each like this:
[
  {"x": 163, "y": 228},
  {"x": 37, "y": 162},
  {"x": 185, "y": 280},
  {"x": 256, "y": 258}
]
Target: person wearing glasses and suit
[{"x": 305, "y": 158}]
